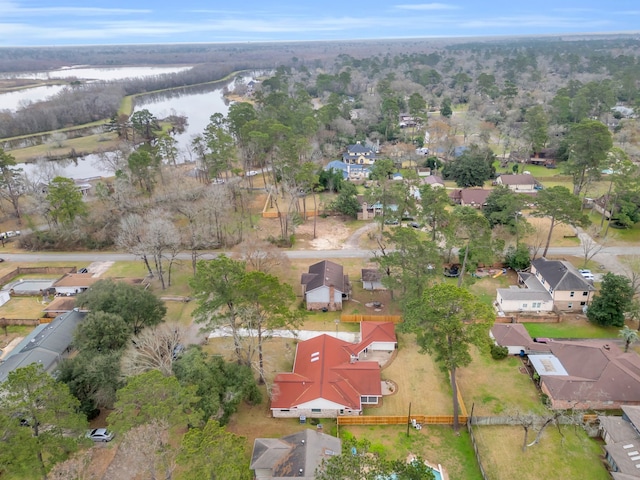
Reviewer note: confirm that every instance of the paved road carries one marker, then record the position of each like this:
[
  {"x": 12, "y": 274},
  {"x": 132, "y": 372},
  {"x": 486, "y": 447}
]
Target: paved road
[{"x": 606, "y": 257}]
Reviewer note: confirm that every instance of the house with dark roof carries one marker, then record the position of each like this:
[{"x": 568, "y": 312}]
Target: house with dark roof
[
  {"x": 520, "y": 183},
  {"x": 434, "y": 180},
  {"x": 325, "y": 286},
  {"x": 567, "y": 287},
  {"x": 332, "y": 377},
  {"x": 372, "y": 279},
  {"x": 551, "y": 285},
  {"x": 294, "y": 456},
  {"x": 47, "y": 345},
  {"x": 621, "y": 435},
  {"x": 358, "y": 154}
]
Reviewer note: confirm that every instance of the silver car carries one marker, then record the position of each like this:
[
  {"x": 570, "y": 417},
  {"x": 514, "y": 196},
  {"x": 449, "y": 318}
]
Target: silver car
[{"x": 100, "y": 435}]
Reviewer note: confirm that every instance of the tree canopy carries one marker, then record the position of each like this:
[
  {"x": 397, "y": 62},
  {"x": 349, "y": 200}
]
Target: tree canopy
[
  {"x": 138, "y": 307},
  {"x": 32, "y": 398},
  {"x": 472, "y": 168},
  {"x": 612, "y": 301},
  {"x": 448, "y": 320}
]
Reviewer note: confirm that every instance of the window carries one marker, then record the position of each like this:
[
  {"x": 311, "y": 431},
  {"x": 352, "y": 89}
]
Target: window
[
  {"x": 572, "y": 294},
  {"x": 582, "y": 304},
  {"x": 584, "y": 294},
  {"x": 316, "y": 410},
  {"x": 569, "y": 305},
  {"x": 536, "y": 305},
  {"x": 525, "y": 305},
  {"x": 284, "y": 410},
  {"x": 368, "y": 400}
]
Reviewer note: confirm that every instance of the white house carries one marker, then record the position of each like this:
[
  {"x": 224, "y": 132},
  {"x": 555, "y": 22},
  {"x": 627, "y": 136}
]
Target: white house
[
  {"x": 518, "y": 183},
  {"x": 325, "y": 286}
]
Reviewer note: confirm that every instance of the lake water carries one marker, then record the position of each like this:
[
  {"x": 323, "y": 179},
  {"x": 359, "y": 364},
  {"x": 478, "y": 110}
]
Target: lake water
[
  {"x": 197, "y": 103},
  {"x": 97, "y": 73},
  {"x": 14, "y": 100}
]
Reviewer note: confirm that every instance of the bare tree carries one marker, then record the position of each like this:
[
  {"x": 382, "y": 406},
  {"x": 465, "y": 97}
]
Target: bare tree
[
  {"x": 130, "y": 238},
  {"x": 261, "y": 255},
  {"x": 77, "y": 467},
  {"x": 590, "y": 246},
  {"x": 161, "y": 239},
  {"x": 145, "y": 452},
  {"x": 153, "y": 349}
]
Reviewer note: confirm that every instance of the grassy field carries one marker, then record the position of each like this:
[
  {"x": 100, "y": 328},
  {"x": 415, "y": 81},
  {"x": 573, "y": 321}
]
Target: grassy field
[
  {"x": 497, "y": 386},
  {"x": 82, "y": 145},
  {"x": 574, "y": 328},
  {"x": 436, "y": 444},
  {"x": 570, "y": 455}
]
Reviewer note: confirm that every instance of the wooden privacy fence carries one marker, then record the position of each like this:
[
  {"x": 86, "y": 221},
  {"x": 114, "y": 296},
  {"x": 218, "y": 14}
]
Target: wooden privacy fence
[
  {"x": 399, "y": 420},
  {"x": 370, "y": 318}
]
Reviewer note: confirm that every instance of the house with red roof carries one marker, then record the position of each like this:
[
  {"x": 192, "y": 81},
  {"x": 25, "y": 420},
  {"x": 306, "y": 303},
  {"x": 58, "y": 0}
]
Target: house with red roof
[{"x": 332, "y": 377}]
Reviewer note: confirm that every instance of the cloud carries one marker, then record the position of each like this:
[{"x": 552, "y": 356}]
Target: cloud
[
  {"x": 427, "y": 6},
  {"x": 12, "y": 9},
  {"x": 541, "y": 21}
]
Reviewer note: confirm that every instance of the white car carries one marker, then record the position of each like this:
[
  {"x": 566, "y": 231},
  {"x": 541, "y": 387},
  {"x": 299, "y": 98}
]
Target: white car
[
  {"x": 100, "y": 435},
  {"x": 586, "y": 274},
  {"x": 251, "y": 173}
]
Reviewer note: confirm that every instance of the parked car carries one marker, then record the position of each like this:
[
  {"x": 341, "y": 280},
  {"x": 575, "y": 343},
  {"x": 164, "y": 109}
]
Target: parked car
[
  {"x": 251, "y": 173},
  {"x": 177, "y": 351},
  {"x": 100, "y": 435},
  {"x": 586, "y": 274},
  {"x": 391, "y": 222}
]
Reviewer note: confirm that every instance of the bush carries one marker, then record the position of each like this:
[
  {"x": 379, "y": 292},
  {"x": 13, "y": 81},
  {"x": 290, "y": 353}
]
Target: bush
[{"x": 498, "y": 352}]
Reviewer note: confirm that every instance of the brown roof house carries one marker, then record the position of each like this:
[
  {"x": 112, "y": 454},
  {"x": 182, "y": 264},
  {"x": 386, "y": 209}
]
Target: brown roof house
[
  {"x": 518, "y": 182},
  {"x": 513, "y": 336},
  {"x": 622, "y": 438},
  {"x": 587, "y": 374},
  {"x": 74, "y": 283},
  {"x": 294, "y": 456},
  {"x": 470, "y": 197},
  {"x": 325, "y": 286}
]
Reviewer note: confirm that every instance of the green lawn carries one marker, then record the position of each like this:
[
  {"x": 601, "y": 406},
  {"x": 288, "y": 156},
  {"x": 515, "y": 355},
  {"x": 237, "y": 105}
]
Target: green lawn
[
  {"x": 582, "y": 329},
  {"x": 436, "y": 444}
]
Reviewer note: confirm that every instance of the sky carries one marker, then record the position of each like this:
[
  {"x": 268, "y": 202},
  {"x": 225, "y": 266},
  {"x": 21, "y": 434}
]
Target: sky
[{"x": 80, "y": 22}]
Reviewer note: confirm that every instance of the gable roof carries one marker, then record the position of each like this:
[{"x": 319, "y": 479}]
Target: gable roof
[
  {"x": 297, "y": 455},
  {"x": 323, "y": 369},
  {"x": 371, "y": 332},
  {"x": 472, "y": 196},
  {"x": 371, "y": 275},
  {"x": 517, "y": 179},
  {"x": 359, "y": 149},
  {"x": 510, "y": 334},
  {"x": 324, "y": 273},
  {"x": 433, "y": 180},
  {"x": 45, "y": 346},
  {"x": 561, "y": 275}
]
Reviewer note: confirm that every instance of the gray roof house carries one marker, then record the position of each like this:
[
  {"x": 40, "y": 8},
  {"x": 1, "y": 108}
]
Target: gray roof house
[
  {"x": 358, "y": 154},
  {"x": 325, "y": 286},
  {"x": 551, "y": 285},
  {"x": 293, "y": 456},
  {"x": 622, "y": 438},
  {"x": 567, "y": 287},
  {"x": 47, "y": 345}
]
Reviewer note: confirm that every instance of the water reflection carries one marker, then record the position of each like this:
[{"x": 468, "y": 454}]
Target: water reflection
[
  {"x": 101, "y": 73},
  {"x": 197, "y": 103},
  {"x": 20, "y": 98}
]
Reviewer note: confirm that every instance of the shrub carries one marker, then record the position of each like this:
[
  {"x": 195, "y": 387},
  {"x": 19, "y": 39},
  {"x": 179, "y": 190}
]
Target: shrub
[{"x": 498, "y": 352}]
